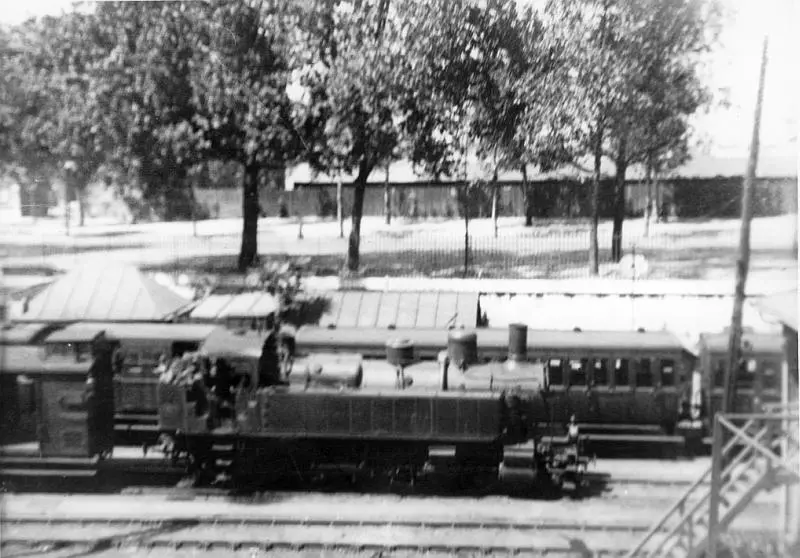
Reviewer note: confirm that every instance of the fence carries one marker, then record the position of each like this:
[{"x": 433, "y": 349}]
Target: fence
[{"x": 555, "y": 250}]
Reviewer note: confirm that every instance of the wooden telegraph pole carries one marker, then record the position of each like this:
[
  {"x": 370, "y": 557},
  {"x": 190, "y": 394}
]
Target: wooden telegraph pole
[{"x": 743, "y": 263}]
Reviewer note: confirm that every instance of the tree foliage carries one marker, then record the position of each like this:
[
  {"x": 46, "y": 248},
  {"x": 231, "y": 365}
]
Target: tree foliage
[
  {"x": 156, "y": 88},
  {"x": 635, "y": 75},
  {"x": 242, "y": 108}
]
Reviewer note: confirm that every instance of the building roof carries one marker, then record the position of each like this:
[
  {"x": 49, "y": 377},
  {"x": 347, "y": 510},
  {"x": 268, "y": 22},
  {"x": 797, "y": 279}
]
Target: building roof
[
  {"x": 245, "y": 305},
  {"x": 701, "y": 165},
  {"x": 782, "y": 306},
  {"x": 370, "y": 309},
  {"x": 111, "y": 293}
]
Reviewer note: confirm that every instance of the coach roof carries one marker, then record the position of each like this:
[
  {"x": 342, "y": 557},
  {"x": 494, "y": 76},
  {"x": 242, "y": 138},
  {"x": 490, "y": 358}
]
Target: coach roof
[
  {"x": 86, "y": 331},
  {"x": 21, "y": 359},
  {"x": 495, "y": 338},
  {"x": 760, "y": 342},
  {"x": 25, "y": 333}
]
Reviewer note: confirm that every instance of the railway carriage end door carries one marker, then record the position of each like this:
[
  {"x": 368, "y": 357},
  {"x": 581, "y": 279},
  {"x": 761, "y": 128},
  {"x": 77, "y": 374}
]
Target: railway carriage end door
[
  {"x": 620, "y": 399},
  {"x": 668, "y": 392},
  {"x": 608, "y": 403},
  {"x": 747, "y": 396},
  {"x": 557, "y": 380},
  {"x": 101, "y": 400},
  {"x": 646, "y": 411},
  {"x": 716, "y": 389},
  {"x": 770, "y": 380},
  {"x": 578, "y": 391}
]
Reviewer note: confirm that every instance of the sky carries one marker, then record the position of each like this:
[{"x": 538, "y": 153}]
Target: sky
[{"x": 725, "y": 132}]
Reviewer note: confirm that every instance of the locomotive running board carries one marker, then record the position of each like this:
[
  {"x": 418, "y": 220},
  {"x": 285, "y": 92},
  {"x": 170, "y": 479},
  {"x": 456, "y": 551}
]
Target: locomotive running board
[
  {"x": 35, "y": 466},
  {"x": 28, "y": 472}
]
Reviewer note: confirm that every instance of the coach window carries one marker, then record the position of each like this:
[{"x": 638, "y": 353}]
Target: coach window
[
  {"x": 622, "y": 372},
  {"x": 61, "y": 349},
  {"x": 667, "y": 372},
  {"x": 769, "y": 375},
  {"x": 644, "y": 373},
  {"x": 83, "y": 352},
  {"x": 600, "y": 369},
  {"x": 719, "y": 373},
  {"x": 133, "y": 361},
  {"x": 577, "y": 372},
  {"x": 747, "y": 373},
  {"x": 555, "y": 371}
]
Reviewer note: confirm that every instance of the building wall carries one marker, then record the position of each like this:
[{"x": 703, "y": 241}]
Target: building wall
[
  {"x": 689, "y": 198},
  {"x": 10, "y": 202}
]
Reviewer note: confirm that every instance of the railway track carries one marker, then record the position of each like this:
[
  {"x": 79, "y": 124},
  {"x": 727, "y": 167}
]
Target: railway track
[{"x": 279, "y": 536}]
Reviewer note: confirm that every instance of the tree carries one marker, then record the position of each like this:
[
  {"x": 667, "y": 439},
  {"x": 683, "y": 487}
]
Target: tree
[
  {"x": 59, "y": 123},
  {"x": 626, "y": 54},
  {"x": 144, "y": 81},
  {"x": 591, "y": 42},
  {"x": 244, "y": 112},
  {"x": 353, "y": 68}
]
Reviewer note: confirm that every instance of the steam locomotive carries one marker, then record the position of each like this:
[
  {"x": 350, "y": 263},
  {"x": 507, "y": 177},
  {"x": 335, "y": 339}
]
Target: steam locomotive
[{"x": 404, "y": 419}]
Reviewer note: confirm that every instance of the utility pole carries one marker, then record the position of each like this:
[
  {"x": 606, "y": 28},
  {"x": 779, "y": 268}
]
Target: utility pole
[{"x": 743, "y": 262}]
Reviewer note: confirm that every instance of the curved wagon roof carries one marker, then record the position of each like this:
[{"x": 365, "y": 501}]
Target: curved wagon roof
[
  {"x": 26, "y": 359},
  {"x": 760, "y": 342},
  {"x": 85, "y": 331},
  {"x": 25, "y": 333}
]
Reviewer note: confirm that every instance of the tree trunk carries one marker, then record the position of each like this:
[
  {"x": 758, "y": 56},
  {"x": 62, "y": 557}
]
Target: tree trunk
[
  {"x": 81, "y": 197},
  {"x": 594, "y": 256},
  {"x": 527, "y": 197},
  {"x": 387, "y": 198},
  {"x": 619, "y": 202},
  {"x": 648, "y": 207},
  {"x": 466, "y": 229},
  {"x": 354, "y": 244},
  {"x": 248, "y": 254},
  {"x": 657, "y": 198},
  {"x": 339, "y": 211},
  {"x": 495, "y": 194}
]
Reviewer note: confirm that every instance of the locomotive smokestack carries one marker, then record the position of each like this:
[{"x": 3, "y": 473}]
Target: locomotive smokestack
[
  {"x": 517, "y": 342},
  {"x": 400, "y": 352},
  {"x": 462, "y": 348}
]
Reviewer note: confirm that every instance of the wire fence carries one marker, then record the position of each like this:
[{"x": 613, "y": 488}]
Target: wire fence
[{"x": 544, "y": 252}]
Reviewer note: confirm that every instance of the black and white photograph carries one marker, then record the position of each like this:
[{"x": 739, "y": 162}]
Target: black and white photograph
[{"x": 399, "y": 278}]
